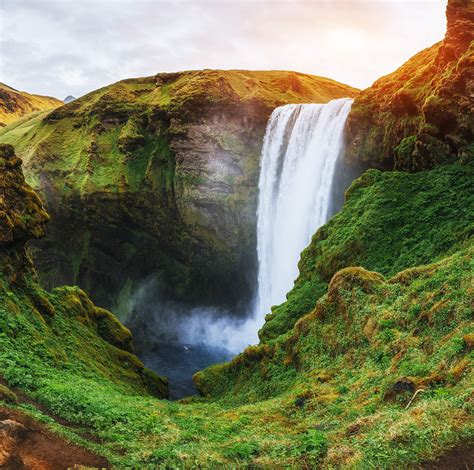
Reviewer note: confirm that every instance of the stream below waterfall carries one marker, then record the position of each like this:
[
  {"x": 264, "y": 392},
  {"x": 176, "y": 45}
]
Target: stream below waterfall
[{"x": 179, "y": 362}]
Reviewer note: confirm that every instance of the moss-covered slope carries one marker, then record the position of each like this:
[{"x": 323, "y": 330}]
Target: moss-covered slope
[
  {"x": 379, "y": 373},
  {"x": 423, "y": 113},
  {"x": 157, "y": 176},
  {"x": 46, "y": 337},
  {"x": 15, "y": 104},
  {"x": 391, "y": 221}
]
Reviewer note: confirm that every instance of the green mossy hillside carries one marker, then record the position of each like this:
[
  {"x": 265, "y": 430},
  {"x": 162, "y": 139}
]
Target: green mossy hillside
[
  {"x": 390, "y": 221},
  {"x": 350, "y": 369},
  {"x": 421, "y": 115},
  {"x": 50, "y": 338},
  {"x": 332, "y": 393}
]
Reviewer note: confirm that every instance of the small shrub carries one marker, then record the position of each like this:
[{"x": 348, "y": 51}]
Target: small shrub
[
  {"x": 313, "y": 443},
  {"x": 241, "y": 450}
]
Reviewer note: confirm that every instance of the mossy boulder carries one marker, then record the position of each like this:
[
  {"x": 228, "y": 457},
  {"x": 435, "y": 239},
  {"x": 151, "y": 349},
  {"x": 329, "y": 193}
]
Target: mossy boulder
[
  {"x": 110, "y": 329},
  {"x": 353, "y": 278}
]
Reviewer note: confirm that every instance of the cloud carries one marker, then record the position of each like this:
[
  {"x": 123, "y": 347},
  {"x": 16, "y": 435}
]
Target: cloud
[{"x": 72, "y": 47}]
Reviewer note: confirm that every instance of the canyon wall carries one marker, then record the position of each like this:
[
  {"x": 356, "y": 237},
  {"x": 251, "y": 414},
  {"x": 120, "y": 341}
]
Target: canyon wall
[{"x": 157, "y": 177}]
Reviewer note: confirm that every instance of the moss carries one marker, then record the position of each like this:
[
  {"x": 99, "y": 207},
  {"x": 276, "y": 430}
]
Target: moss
[
  {"x": 157, "y": 385},
  {"x": 111, "y": 330},
  {"x": 350, "y": 278},
  {"x": 404, "y": 151},
  {"x": 7, "y": 395}
]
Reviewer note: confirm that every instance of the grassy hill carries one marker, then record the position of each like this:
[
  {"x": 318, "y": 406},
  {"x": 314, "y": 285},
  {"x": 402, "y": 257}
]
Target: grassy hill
[
  {"x": 377, "y": 374},
  {"x": 15, "y": 104}
]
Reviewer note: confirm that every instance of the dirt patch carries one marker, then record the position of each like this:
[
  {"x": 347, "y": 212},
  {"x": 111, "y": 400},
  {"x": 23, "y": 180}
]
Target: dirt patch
[
  {"x": 460, "y": 458},
  {"x": 23, "y": 398},
  {"x": 27, "y": 444}
]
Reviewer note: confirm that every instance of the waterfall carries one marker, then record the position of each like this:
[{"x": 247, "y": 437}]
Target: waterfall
[
  {"x": 300, "y": 150},
  {"x": 300, "y": 154}
]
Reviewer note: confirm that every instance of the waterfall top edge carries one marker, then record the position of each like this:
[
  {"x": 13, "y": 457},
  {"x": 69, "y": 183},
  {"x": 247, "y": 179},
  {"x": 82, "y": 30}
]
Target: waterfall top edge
[
  {"x": 294, "y": 105},
  {"x": 312, "y": 105}
]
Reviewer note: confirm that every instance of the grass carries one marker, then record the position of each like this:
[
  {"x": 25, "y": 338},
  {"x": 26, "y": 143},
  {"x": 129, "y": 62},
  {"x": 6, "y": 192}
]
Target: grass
[{"x": 325, "y": 405}]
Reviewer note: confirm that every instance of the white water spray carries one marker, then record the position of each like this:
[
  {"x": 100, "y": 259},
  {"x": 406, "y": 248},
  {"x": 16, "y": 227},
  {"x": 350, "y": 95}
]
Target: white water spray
[{"x": 300, "y": 150}]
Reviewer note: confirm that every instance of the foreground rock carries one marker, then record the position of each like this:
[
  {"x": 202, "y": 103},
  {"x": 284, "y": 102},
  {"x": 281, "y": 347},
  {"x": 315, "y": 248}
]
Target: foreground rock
[{"x": 26, "y": 444}]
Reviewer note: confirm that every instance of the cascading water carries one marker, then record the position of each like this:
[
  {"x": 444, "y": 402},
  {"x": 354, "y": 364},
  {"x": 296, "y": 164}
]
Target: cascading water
[{"x": 300, "y": 150}]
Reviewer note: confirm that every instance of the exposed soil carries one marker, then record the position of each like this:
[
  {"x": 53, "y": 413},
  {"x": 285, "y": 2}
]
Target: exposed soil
[
  {"x": 27, "y": 444},
  {"x": 23, "y": 398},
  {"x": 460, "y": 458}
]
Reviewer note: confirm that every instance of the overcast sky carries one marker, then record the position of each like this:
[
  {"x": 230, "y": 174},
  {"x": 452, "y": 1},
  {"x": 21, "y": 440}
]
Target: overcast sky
[{"x": 67, "y": 47}]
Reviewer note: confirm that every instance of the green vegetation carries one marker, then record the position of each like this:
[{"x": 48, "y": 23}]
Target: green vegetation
[
  {"x": 348, "y": 370},
  {"x": 368, "y": 364},
  {"x": 320, "y": 395},
  {"x": 336, "y": 391}
]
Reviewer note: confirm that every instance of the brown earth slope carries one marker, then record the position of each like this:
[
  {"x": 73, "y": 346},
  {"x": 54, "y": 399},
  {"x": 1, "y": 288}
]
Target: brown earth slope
[{"x": 15, "y": 104}]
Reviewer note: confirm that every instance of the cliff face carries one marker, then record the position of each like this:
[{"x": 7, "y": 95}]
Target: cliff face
[
  {"x": 158, "y": 177},
  {"x": 33, "y": 322},
  {"x": 15, "y": 104},
  {"x": 423, "y": 113}
]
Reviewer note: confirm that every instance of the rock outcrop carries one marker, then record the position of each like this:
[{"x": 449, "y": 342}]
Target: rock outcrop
[
  {"x": 157, "y": 177},
  {"x": 423, "y": 113},
  {"x": 15, "y": 104}
]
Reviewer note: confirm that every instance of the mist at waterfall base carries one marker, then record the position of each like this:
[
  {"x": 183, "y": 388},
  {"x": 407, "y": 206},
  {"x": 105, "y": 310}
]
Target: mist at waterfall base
[
  {"x": 176, "y": 340},
  {"x": 302, "y": 181}
]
